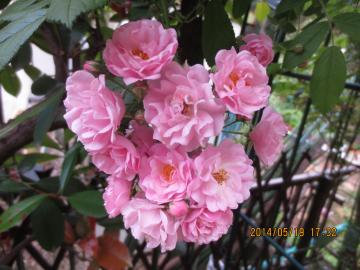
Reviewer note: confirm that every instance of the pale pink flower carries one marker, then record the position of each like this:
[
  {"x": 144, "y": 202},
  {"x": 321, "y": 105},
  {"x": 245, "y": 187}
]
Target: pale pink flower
[
  {"x": 182, "y": 108},
  {"x": 178, "y": 209},
  {"x": 259, "y": 46},
  {"x": 224, "y": 177},
  {"x": 116, "y": 195},
  {"x": 164, "y": 175},
  {"x": 141, "y": 135},
  {"x": 149, "y": 222},
  {"x": 139, "y": 50},
  {"x": 241, "y": 82},
  {"x": 119, "y": 158},
  {"x": 268, "y": 135},
  {"x": 202, "y": 226},
  {"x": 93, "y": 111}
]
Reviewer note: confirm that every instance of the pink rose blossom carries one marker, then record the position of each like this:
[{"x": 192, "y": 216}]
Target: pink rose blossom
[
  {"x": 139, "y": 50},
  {"x": 224, "y": 177},
  {"x": 267, "y": 136},
  {"x": 181, "y": 107},
  {"x": 93, "y": 111},
  {"x": 164, "y": 175},
  {"x": 141, "y": 136},
  {"x": 241, "y": 82},
  {"x": 259, "y": 46},
  {"x": 178, "y": 209},
  {"x": 149, "y": 222},
  {"x": 116, "y": 195},
  {"x": 119, "y": 158},
  {"x": 202, "y": 226}
]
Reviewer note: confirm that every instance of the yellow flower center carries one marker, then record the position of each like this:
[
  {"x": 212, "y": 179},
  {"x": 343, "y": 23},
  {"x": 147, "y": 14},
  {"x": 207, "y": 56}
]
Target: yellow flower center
[
  {"x": 137, "y": 52},
  {"x": 167, "y": 172},
  {"x": 220, "y": 176},
  {"x": 234, "y": 78}
]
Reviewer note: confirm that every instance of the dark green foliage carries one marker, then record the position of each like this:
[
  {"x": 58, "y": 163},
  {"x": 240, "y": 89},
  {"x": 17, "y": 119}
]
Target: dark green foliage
[
  {"x": 88, "y": 203},
  {"x": 328, "y": 79},
  {"x": 217, "y": 31},
  {"x": 47, "y": 223}
]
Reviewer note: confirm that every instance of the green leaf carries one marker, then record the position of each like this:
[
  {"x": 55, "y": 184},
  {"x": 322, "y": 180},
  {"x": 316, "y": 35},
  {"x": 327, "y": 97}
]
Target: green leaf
[
  {"x": 240, "y": 7},
  {"x": 349, "y": 23},
  {"x": 328, "y": 79},
  {"x": 217, "y": 31},
  {"x": 23, "y": 57},
  {"x": 310, "y": 39},
  {"x": 43, "y": 85},
  {"x": 51, "y": 143},
  {"x": 50, "y": 185},
  {"x": 33, "y": 111},
  {"x": 45, "y": 119},
  {"x": 17, "y": 212},
  {"x": 20, "y": 8},
  {"x": 28, "y": 162},
  {"x": 32, "y": 72},
  {"x": 66, "y": 11},
  {"x": 68, "y": 166},
  {"x": 47, "y": 223},
  {"x": 40, "y": 157},
  {"x": 4, "y": 3},
  {"x": 10, "y": 186},
  {"x": 273, "y": 69},
  {"x": 10, "y": 81},
  {"x": 88, "y": 203},
  {"x": 13, "y": 35},
  {"x": 262, "y": 10},
  {"x": 288, "y": 5}
]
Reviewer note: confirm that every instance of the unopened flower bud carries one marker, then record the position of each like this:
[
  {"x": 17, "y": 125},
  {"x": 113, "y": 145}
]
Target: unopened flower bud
[
  {"x": 178, "y": 209},
  {"x": 91, "y": 66}
]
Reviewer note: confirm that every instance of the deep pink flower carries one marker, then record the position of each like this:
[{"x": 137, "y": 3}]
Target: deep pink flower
[
  {"x": 259, "y": 46},
  {"x": 119, "y": 158},
  {"x": 268, "y": 135},
  {"x": 202, "y": 226},
  {"x": 224, "y": 177},
  {"x": 164, "y": 175},
  {"x": 149, "y": 222},
  {"x": 116, "y": 195},
  {"x": 141, "y": 135},
  {"x": 93, "y": 111},
  {"x": 139, "y": 50},
  {"x": 178, "y": 209},
  {"x": 181, "y": 107},
  {"x": 241, "y": 82}
]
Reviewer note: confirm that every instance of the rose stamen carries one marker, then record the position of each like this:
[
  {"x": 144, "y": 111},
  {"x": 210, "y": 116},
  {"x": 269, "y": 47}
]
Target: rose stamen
[
  {"x": 220, "y": 176},
  {"x": 186, "y": 109},
  {"x": 167, "y": 172},
  {"x": 137, "y": 52},
  {"x": 234, "y": 78}
]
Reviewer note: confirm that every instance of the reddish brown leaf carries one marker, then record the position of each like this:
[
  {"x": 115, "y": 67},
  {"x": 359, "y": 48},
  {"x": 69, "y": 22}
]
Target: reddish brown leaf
[
  {"x": 69, "y": 236},
  {"x": 112, "y": 254}
]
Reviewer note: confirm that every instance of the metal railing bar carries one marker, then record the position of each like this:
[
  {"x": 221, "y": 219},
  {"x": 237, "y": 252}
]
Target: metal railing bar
[{"x": 348, "y": 85}]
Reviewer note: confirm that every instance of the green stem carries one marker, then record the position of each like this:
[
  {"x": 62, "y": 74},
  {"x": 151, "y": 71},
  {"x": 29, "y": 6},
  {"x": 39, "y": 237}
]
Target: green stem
[
  {"x": 329, "y": 21},
  {"x": 165, "y": 13},
  {"x": 234, "y": 132}
]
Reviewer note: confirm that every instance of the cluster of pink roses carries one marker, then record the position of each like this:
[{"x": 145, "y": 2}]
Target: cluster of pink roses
[{"x": 164, "y": 178}]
